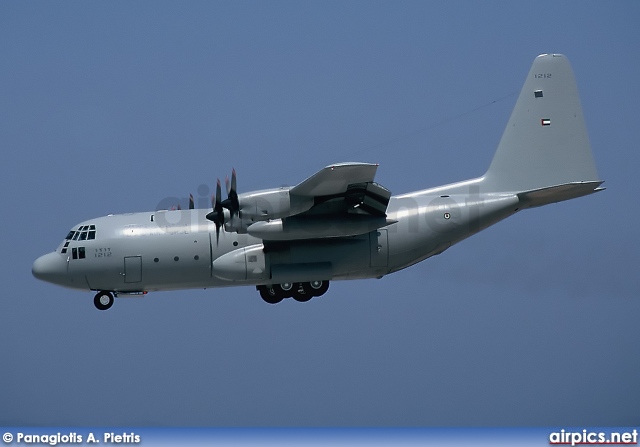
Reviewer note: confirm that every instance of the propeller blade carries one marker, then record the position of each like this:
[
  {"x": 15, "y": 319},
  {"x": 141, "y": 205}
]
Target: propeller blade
[
  {"x": 232, "y": 203},
  {"x": 192, "y": 203},
  {"x": 233, "y": 182},
  {"x": 218, "y": 209},
  {"x": 218, "y": 203}
]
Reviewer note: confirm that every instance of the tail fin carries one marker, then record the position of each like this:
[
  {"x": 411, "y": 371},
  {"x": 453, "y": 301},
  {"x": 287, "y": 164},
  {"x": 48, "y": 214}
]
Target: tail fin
[{"x": 545, "y": 146}]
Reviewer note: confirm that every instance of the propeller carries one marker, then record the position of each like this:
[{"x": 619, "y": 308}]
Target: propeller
[
  {"x": 231, "y": 203},
  {"x": 217, "y": 215}
]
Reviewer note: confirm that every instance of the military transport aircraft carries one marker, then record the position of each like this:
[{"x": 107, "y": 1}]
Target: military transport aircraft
[{"x": 337, "y": 224}]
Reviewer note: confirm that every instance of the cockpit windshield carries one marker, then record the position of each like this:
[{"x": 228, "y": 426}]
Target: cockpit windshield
[{"x": 83, "y": 233}]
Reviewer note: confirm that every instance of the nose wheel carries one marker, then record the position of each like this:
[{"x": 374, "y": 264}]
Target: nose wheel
[{"x": 103, "y": 300}]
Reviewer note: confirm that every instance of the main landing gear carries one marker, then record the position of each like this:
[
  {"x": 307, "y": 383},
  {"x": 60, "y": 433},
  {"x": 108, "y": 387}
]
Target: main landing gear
[
  {"x": 103, "y": 300},
  {"x": 299, "y": 291}
]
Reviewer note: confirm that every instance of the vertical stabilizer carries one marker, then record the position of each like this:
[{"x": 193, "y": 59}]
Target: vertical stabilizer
[{"x": 545, "y": 143}]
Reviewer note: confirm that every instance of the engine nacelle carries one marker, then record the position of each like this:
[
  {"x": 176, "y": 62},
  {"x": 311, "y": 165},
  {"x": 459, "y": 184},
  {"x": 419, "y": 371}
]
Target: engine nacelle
[
  {"x": 295, "y": 228},
  {"x": 243, "y": 264},
  {"x": 272, "y": 204}
]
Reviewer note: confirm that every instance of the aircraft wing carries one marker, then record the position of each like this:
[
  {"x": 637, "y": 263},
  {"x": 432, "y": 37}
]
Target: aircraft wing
[
  {"x": 344, "y": 188},
  {"x": 343, "y": 200},
  {"x": 335, "y": 179}
]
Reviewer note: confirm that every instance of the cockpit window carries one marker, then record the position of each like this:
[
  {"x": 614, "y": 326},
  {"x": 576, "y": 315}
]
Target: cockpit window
[
  {"x": 83, "y": 233},
  {"x": 78, "y": 253}
]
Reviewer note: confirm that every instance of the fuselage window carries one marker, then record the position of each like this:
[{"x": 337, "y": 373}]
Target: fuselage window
[
  {"x": 74, "y": 253},
  {"x": 81, "y": 253}
]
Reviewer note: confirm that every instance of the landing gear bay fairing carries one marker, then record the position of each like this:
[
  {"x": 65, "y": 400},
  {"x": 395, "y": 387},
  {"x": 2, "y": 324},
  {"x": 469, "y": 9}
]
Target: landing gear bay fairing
[{"x": 338, "y": 224}]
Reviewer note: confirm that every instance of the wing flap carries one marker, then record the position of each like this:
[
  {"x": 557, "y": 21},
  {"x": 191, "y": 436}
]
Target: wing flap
[{"x": 368, "y": 197}]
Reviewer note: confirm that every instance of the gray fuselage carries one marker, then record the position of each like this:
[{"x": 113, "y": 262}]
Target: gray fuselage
[{"x": 164, "y": 250}]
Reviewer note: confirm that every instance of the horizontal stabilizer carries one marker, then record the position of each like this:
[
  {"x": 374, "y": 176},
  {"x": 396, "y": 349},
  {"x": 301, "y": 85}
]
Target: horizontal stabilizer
[{"x": 553, "y": 194}]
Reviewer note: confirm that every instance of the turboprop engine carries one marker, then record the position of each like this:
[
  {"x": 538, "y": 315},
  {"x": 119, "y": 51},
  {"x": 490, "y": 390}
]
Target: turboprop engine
[
  {"x": 272, "y": 204},
  {"x": 295, "y": 228},
  {"x": 239, "y": 211}
]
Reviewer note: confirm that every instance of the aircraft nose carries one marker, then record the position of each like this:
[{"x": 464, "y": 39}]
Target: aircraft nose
[{"x": 51, "y": 268}]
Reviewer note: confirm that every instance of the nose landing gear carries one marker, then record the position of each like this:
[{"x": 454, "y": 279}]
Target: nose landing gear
[{"x": 103, "y": 300}]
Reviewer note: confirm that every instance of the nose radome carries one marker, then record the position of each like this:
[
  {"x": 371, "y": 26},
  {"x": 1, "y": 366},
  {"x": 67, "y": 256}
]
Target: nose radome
[{"x": 50, "y": 267}]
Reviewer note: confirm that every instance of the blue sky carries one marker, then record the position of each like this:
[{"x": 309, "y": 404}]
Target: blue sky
[{"x": 114, "y": 107}]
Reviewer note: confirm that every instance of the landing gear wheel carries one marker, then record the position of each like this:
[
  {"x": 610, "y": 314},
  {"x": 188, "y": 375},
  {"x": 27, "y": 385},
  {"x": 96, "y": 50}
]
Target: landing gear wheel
[
  {"x": 285, "y": 290},
  {"x": 318, "y": 288},
  {"x": 103, "y": 300},
  {"x": 302, "y": 292},
  {"x": 269, "y": 294}
]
